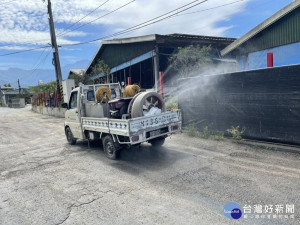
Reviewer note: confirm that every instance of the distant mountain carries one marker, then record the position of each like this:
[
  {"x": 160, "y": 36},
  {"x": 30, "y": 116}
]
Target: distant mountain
[{"x": 31, "y": 77}]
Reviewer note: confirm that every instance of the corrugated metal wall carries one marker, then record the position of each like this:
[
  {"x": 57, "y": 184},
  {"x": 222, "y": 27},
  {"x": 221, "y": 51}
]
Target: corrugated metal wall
[{"x": 283, "y": 32}]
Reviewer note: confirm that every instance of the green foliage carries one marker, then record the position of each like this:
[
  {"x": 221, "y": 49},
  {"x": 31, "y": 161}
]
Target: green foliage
[
  {"x": 190, "y": 59},
  {"x": 7, "y": 85},
  {"x": 99, "y": 68},
  {"x": 271, "y": 148},
  {"x": 191, "y": 130},
  {"x": 171, "y": 103},
  {"x": 236, "y": 133},
  {"x": 205, "y": 133},
  {"x": 77, "y": 78},
  {"x": 51, "y": 86}
]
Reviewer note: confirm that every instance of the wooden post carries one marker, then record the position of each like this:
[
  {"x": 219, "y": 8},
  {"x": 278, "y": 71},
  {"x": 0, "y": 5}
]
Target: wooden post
[
  {"x": 56, "y": 99},
  {"x": 45, "y": 99},
  {"x": 49, "y": 99}
]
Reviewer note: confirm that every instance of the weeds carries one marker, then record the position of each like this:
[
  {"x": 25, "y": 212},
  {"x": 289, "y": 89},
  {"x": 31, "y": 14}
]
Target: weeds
[
  {"x": 272, "y": 148},
  {"x": 205, "y": 133},
  {"x": 236, "y": 133},
  {"x": 191, "y": 130},
  {"x": 256, "y": 147},
  {"x": 171, "y": 103}
]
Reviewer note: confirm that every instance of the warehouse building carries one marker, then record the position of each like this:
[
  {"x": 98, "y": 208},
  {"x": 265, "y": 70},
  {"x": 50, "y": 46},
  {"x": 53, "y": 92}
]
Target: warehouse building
[
  {"x": 274, "y": 42},
  {"x": 143, "y": 59}
]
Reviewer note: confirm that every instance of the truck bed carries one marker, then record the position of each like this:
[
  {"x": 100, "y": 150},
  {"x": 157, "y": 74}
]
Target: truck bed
[{"x": 141, "y": 126}]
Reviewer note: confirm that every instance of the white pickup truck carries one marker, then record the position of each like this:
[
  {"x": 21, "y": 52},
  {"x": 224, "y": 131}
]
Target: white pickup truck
[{"x": 119, "y": 121}]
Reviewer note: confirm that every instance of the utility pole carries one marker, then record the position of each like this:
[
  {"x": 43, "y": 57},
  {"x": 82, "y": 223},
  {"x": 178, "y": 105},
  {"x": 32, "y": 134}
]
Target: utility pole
[
  {"x": 19, "y": 86},
  {"x": 54, "y": 50}
]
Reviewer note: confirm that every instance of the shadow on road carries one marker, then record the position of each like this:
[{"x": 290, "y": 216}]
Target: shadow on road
[
  {"x": 146, "y": 157},
  {"x": 136, "y": 159}
]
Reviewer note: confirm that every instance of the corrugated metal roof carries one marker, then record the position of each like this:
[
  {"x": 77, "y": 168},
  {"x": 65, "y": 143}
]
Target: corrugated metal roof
[
  {"x": 153, "y": 39},
  {"x": 283, "y": 32},
  {"x": 261, "y": 27},
  {"x": 199, "y": 37}
]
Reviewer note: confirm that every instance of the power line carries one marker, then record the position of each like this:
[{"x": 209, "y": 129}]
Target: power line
[
  {"x": 63, "y": 33},
  {"x": 164, "y": 17},
  {"x": 40, "y": 64},
  {"x": 139, "y": 26},
  {"x": 146, "y": 23},
  {"x": 27, "y": 50},
  {"x": 231, "y": 3},
  {"x": 84, "y": 16},
  {"x": 36, "y": 64},
  {"x": 68, "y": 31},
  {"x": 157, "y": 19}
]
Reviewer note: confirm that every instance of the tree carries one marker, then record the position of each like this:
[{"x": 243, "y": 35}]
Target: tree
[
  {"x": 191, "y": 59},
  {"x": 7, "y": 85},
  {"x": 77, "y": 78},
  {"x": 101, "y": 68},
  {"x": 51, "y": 86}
]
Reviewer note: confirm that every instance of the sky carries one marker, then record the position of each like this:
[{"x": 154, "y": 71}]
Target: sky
[{"x": 24, "y": 24}]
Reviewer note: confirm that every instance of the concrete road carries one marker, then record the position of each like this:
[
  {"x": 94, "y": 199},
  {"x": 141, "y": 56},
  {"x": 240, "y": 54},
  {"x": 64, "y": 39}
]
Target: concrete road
[{"x": 43, "y": 180}]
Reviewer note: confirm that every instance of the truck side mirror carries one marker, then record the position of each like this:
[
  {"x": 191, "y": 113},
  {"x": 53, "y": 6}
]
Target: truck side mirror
[{"x": 64, "y": 105}]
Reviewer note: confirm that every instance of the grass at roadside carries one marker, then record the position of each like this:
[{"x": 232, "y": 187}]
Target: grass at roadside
[
  {"x": 192, "y": 131},
  {"x": 234, "y": 132}
]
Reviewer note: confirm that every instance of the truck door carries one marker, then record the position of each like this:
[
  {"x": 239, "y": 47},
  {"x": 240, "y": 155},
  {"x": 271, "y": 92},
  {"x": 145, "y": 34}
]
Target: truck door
[{"x": 73, "y": 115}]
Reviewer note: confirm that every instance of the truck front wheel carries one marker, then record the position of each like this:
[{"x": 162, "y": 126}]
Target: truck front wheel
[
  {"x": 70, "y": 137},
  {"x": 157, "y": 141},
  {"x": 111, "y": 148}
]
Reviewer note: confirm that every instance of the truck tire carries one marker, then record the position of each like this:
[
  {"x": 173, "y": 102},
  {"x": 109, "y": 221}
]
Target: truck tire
[
  {"x": 144, "y": 102},
  {"x": 70, "y": 137},
  {"x": 157, "y": 142},
  {"x": 111, "y": 148}
]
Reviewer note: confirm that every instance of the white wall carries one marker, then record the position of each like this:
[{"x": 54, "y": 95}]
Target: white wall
[{"x": 56, "y": 112}]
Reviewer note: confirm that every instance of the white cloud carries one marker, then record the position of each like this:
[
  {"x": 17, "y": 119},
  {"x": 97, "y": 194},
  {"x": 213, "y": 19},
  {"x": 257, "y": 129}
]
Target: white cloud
[
  {"x": 16, "y": 47},
  {"x": 27, "y": 20},
  {"x": 202, "y": 23}
]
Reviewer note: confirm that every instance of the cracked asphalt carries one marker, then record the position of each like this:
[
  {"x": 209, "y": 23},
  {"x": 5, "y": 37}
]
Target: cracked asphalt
[{"x": 43, "y": 180}]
